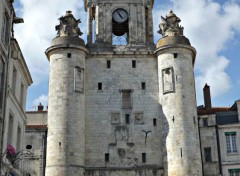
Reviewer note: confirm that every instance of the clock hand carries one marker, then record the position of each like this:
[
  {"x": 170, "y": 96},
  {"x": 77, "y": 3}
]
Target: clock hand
[{"x": 120, "y": 14}]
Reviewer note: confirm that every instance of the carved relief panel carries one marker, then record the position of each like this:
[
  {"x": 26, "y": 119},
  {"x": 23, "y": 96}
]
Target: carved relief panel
[
  {"x": 138, "y": 118},
  {"x": 79, "y": 79},
  {"x": 115, "y": 118},
  {"x": 168, "y": 80}
]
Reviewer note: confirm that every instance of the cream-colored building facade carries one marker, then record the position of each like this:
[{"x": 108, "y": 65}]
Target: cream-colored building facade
[{"x": 19, "y": 79}]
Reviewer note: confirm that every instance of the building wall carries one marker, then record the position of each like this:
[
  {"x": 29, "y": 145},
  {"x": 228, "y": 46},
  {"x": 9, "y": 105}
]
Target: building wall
[
  {"x": 104, "y": 134},
  {"x": 230, "y": 160},
  {"x": 208, "y": 139},
  {"x": 15, "y": 119},
  {"x": 5, "y": 32}
]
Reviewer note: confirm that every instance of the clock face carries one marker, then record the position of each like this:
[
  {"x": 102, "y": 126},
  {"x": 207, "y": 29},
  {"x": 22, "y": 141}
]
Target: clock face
[{"x": 120, "y": 16}]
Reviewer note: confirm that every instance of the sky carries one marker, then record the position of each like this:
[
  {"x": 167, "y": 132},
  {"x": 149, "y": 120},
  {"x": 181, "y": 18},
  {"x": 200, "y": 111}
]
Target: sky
[{"x": 212, "y": 26}]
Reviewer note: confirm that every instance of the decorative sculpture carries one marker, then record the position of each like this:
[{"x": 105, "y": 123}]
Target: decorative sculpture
[
  {"x": 68, "y": 26},
  {"x": 170, "y": 25}
]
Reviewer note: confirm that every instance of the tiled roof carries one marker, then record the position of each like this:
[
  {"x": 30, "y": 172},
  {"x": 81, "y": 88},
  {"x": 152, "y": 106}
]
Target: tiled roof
[
  {"x": 203, "y": 111},
  {"x": 36, "y": 126}
]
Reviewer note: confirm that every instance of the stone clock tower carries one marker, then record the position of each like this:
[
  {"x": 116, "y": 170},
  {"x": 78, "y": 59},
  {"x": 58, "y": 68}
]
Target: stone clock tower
[{"x": 120, "y": 105}]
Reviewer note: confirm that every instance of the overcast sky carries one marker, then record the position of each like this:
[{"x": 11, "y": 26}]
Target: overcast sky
[{"x": 213, "y": 28}]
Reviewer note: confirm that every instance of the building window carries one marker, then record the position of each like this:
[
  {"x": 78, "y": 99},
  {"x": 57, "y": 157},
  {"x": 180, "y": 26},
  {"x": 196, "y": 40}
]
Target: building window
[
  {"x": 205, "y": 122},
  {"x": 19, "y": 136},
  {"x": 22, "y": 95},
  {"x": 127, "y": 118},
  {"x": 108, "y": 64},
  {"x": 126, "y": 99},
  {"x": 143, "y": 86},
  {"x": 5, "y": 29},
  {"x": 99, "y": 86},
  {"x": 143, "y": 157},
  {"x": 134, "y": 64},
  {"x": 2, "y": 70},
  {"x": 234, "y": 172},
  {"x": 69, "y": 55},
  {"x": 231, "y": 142},
  {"x": 106, "y": 157},
  {"x": 208, "y": 154},
  {"x": 154, "y": 122},
  {"x": 14, "y": 79},
  {"x": 10, "y": 129},
  {"x": 175, "y": 55}
]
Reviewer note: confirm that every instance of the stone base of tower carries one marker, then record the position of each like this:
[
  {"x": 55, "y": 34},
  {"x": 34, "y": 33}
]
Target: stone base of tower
[
  {"x": 124, "y": 172},
  {"x": 65, "y": 171}
]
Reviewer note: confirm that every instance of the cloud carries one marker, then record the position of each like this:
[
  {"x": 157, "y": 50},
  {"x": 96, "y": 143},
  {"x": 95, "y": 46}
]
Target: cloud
[
  {"x": 43, "y": 99},
  {"x": 35, "y": 35},
  {"x": 209, "y": 26}
]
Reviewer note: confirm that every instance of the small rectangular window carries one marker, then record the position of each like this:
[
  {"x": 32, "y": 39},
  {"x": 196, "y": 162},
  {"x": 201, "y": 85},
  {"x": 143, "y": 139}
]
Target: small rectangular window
[
  {"x": 207, "y": 154},
  {"x": 106, "y": 157},
  {"x": 134, "y": 64},
  {"x": 99, "y": 86},
  {"x": 69, "y": 55},
  {"x": 108, "y": 64},
  {"x": 143, "y": 86},
  {"x": 175, "y": 55},
  {"x": 143, "y": 157},
  {"x": 205, "y": 122},
  {"x": 22, "y": 95},
  {"x": 127, "y": 118},
  {"x": 154, "y": 122}
]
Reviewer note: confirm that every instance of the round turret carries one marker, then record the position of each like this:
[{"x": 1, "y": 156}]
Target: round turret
[
  {"x": 66, "y": 112},
  {"x": 176, "y": 84}
]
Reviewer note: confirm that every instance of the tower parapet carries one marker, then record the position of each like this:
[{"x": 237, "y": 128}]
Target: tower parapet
[
  {"x": 177, "y": 97},
  {"x": 66, "y": 113}
]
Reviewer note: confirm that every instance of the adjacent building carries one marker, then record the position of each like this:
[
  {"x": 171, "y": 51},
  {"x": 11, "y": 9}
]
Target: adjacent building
[
  {"x": 220, "y": 137},
  {"x": 14, "y": 81},
  {"x": 19, "y": 79}
]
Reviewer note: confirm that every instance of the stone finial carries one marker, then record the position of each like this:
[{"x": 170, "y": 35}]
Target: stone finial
[
  {"x": 170, "y": 25},
  {"x": 68, "y": 26}
]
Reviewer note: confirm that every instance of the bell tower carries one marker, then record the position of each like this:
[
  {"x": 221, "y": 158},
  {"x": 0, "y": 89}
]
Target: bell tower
[{"x": 119, "y": 23}]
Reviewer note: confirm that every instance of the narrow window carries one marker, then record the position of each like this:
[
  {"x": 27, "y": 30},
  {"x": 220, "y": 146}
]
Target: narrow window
[
  {"x": 154, "y": 122},
  {"x": 14, "y": 79},
  {"x": 143, "y": 86},
  {"x": 231, "y": 142},
  {"x": 5, "y": 29},
  {"x": 143, "y": 157},
  {"x": 127, "y": 118},
  {"x": 2, "y": 69},
  {"x": 10, "y": 129},
  {"x": 108, "y": 64},
  {"x": 106, "y": 157},
  {"x": 22, "y": 95},
  {"x": 207, "y": 154},
  {"x": 175, "y": 55},
  {"x": 69, "y": 55},
  {"x": 205, "y": 122},
  {"x": 99, "y": 86},
  {"x": 19, "y": 135},
  {"x": 134, "y": 64}
]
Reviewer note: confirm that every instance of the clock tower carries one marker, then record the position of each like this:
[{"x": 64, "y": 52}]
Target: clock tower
[
  {"x": 118, "y": 104},
  {"x": 119, "y": 22}
]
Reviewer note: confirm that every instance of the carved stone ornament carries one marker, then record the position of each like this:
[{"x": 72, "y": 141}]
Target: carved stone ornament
[
  {"x": 170, "y": 25},
  {"x": 68, "y": 26}
]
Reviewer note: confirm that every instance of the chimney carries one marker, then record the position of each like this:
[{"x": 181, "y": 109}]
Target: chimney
[
  {"x": 40, "y": 107},
  {"x": 207, "y": 97}
]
